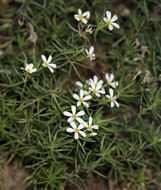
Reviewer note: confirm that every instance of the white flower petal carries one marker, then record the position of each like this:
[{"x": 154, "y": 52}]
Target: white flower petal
[
  {"x": 87, "y": 52},
  {"x": 73, "y": 108},
  {"x": 86, "y": 14},
  {"x": 51, "y": 69},
  {"x": 116, "y": 25},
  {"x": 101, "y": 91},
  {"x": 33, "y": 70},
  {"x": 107, "y": 77},
  {"x": 52, "y": 65},
  {"x": 86, "y": 104},
  {"x": 95, "y": 127},
  {"x": 97, "y": 94},
  {"x": 77, "y": 17},
  {"x": 80, "y": 113},
  {"x": 78, "y": 103},
  {"x": 107, "y": 96},
  {"x": 79, "y": 11},
  {"x": 84, "y": 21},
  {"x": 79, "y": 120},
  {"x": 66, "y": 113},
  {"x": 78, "y": 83},
  {"x": 70, "y": 119},
  {"x": 110, "y": 27},
  {"x": 113, "y": 84},
  {"x": 90, "y": 120},
  {"x": 30, "y": 66},
  {"x": 117, "y": 104},
  {"x": 111, "y": 92},
  {"x": 49, "y": 59},
  {"x": 75, "y": 96},
  {"x": 85, "y": 124},
  {"x": 81, "y": 93},
  {"x": 76, "y": 136},
  {"x": 43, "y": 58},
  {"x": 114, "y": 18},
  {"x": 111, "y": 77},
  {"x": 112, "y": 104},
  {"x": 81, "y": 126},
  {"x": 70, "y": 130},
  {"x": 87, "y": 97},
  {"x": 82, "y": 133},
  {"x": 73, "y": 125},
  {"x": 105, "y": 20},
  {"x": 91, "y": 49},
  {"x": 108, "y": 14}
]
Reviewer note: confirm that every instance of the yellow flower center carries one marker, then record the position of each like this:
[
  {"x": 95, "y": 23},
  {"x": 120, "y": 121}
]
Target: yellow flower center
[
  {"x": 76, "y": 130},
  {"x": 89, "y": 55},
  {"x": 111, "y": 99},
  {"x": 28, "y": 70},
  {"x": 46, "y": 64},
  {"x": 81, "y": 100},
  {"x": 109, "y": 22},
  {"x": 80, "y": 17},
  {"x": 90, "y": 127},
  {"x": 74, "y": 116},
  {"x": 108, "y": 82},
  {"x": 94, "y": 91}
]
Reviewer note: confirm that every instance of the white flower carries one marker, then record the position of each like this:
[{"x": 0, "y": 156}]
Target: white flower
[
  {"x": 82, "y": 16},
  {"x": 110, "y": 21},
  {"x": 74, "y": 116},
  {"x": 112, "y": 98},
  {"x": 76, "y": 130},
  {"x": 29, "y": 68},
  {"x": 96, "y": 89},
  {"x": 89, "y": 126},
  {"x": 47, "y": 63},
  {"x": 89, "y": 29},
  {"x": 81, "y": 99},
  {"x": 109, "y": 79},
  {"x": 90, "y": 53},
  {"x": 95, "y": 81}
]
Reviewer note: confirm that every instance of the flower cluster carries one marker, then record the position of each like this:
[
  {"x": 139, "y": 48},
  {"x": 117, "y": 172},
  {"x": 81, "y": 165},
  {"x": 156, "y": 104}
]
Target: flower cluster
[
  {"x": 85, "y": 93},
  {"x": 84, "y": 17}
]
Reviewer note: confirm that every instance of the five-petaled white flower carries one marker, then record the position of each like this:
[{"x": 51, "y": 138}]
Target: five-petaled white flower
[
  {"x": 81, "y": 99},
  {"x": 82, "y": 16},
  {"x": 89, "y": 29},
  {"x": 76, "y": 130},
  {"x": 109, "y": 79},
  {"x": 89, "y": 126},
  {"x": 111, "y": 21},
  {"x": 47, "y": 63},
  {"x": 95, "y": 81},
  {"x": 74, "y": 116},
  {"x": 29, "y": 68},
  {"x": 96, "y": 89},
  {"x": 112, "y": 98},
  {"x": 90, "y": 53}
]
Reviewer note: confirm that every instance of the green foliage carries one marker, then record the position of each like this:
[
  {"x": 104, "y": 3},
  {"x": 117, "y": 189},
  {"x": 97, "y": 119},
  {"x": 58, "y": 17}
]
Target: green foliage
[{"x": 32, "y": 126}]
